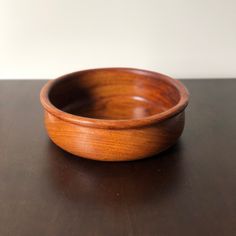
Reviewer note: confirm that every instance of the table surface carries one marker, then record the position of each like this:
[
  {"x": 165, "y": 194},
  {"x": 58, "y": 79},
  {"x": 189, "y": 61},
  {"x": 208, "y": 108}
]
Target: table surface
[{"x": 188, "y": 190}]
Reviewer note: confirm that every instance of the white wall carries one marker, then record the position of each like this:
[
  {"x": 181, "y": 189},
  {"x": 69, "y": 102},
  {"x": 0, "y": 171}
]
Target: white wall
[{"x": 183, "y": 38}]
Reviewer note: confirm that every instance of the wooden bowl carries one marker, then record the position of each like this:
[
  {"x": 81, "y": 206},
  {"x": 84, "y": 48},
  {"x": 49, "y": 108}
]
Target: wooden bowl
[{"x": 114, "y": 114}]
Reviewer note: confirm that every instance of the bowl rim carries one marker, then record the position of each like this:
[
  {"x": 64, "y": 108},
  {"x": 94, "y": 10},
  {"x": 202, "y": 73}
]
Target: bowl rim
[{"x": 121, "y": 123}]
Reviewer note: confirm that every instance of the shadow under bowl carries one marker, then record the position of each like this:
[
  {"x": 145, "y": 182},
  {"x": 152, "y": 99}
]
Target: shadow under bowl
[{"x": 114, "y": 114}]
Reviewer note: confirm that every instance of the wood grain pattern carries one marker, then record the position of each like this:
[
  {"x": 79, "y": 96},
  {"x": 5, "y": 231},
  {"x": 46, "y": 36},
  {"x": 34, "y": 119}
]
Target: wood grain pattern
[
  {"x": 105, "y": 114},
  {"x": 187, "y": 190}
]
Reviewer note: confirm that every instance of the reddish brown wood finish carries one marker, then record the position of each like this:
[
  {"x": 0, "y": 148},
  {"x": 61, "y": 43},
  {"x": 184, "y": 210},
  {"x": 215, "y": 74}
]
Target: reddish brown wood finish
[{"x": 114, "y": 114}]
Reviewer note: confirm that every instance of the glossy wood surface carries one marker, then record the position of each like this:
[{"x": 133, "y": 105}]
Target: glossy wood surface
[
  {"x": 105, "y": 114},
  {"x": 187, "y": 190}
]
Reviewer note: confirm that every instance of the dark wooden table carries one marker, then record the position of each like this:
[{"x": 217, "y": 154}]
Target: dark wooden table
[{"x": 188, "y": 190}]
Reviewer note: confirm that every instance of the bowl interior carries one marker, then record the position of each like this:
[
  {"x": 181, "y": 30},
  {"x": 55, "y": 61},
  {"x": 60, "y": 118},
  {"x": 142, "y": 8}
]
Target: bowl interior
[{"x": 113, "y": 94}]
